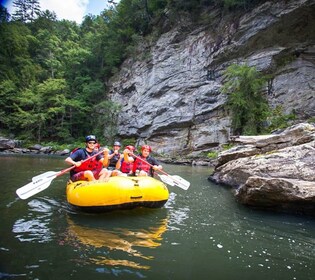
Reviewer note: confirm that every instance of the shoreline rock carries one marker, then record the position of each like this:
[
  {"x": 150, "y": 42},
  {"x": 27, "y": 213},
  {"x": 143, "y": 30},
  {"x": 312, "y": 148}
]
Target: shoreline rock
[
  {"x": 274, "y": 172},
  {"x": 11, "y": 146}
]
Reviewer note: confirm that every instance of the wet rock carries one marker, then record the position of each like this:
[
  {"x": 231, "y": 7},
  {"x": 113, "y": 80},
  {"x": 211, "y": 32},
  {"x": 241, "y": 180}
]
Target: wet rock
[
  {"x": 281, "y": 179},
  {"x": 63, "y": 152},
  {"x": 46, "y": 150},
  {"x": 36, "y": 147},
  {"x": 278, "y": 194},
  {"x": 6, "y": 143}
]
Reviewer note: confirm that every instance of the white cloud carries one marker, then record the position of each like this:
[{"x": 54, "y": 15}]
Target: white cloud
[
  {"x": 66, "y": 9},
  {"x": 73, "y": 10}
]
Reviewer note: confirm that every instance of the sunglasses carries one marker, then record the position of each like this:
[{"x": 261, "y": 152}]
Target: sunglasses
[{"x": 92, "y": 143}]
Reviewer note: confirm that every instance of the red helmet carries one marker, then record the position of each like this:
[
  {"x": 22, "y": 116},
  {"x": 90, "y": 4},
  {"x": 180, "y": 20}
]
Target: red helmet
[
  {"x": 130, "y": 148},
  {"x": 146, "y": 147}
]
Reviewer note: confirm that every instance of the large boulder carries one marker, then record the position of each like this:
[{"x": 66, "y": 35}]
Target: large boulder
[
  {"x": 251, "y": 145},
  {"x": 6, "y": 144},
  {"x": 265, "y": 175},
  {"x": 278, "y": 194}
]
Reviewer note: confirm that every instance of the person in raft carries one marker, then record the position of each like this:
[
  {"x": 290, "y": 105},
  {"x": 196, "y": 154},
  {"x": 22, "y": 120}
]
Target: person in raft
[
  {"x": 113, "y": 158},
  {"x": 89, "y": 170},
  {"x": 125, "y": 163},
  {"x": 144, "y": 164}
]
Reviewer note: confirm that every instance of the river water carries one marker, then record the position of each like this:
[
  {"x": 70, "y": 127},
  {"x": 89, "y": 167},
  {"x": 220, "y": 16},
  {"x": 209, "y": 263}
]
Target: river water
[{"x": 201, "y": 233}]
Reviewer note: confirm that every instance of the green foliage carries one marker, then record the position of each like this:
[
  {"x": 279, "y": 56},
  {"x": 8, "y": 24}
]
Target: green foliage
[
  {"x": 246, "y": 102},
  {"x": 59, "y": 147},
  {"x": 279, "y": 120},
  {"x": 53, "y": 73},
  {"x": 7, "y": 96},
  {"x": 15, "y": 61},
  {"x": 311, "y": 120},
  {"x": 212, "y": 155},
  {"x": 227, "y": 146},
  {"x": 40, "y": 110},
  {"x": 4, "y": 14},
  {"x": 128, "y": 141}
]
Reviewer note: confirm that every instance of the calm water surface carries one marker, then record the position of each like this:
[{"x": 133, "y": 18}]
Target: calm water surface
[{"x": 201, "y": 233}]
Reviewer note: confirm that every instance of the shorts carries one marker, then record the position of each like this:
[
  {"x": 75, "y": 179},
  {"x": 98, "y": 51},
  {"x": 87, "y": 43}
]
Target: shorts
[{"x": 80, "y": 176}]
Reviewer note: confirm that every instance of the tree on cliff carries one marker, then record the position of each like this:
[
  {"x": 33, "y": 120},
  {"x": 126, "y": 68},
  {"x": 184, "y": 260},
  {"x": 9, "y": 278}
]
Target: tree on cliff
[
  {"x": 246, "y": 101},
  {"x": 26, "y": 10}
]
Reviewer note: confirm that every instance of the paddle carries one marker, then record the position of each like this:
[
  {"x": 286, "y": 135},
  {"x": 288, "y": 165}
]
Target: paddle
[
  {"x": 172, "y": 180},
  {"x": 42, "y": 181}
]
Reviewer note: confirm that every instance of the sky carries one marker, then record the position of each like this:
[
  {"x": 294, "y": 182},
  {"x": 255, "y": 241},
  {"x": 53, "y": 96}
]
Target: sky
[{"x": 73, "y": 10}]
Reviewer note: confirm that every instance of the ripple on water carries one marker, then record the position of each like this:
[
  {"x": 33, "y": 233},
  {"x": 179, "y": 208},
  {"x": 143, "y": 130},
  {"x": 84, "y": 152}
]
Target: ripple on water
[
  {"x": 35, "y": 225},
  {"x": 259, "y": 244}
]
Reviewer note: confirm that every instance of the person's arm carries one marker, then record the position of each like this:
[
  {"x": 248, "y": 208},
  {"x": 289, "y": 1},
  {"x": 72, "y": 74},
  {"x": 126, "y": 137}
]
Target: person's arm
[
  {"x": 105, "y": 160},
  {"x": 118, "y": 164},
  {"x": 71, "y": 160},
  {"x": 127, "y": 158},
  {"x": 115, "y": 152},
  {"x": 156, "y": 164}
]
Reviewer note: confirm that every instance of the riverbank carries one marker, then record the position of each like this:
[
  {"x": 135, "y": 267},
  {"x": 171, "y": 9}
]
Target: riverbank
[{"x": 11, "y": 146}]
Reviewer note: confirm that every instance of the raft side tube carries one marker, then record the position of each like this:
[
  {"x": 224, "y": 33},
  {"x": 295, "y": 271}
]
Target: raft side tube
[{"x": 118, "y": 193}]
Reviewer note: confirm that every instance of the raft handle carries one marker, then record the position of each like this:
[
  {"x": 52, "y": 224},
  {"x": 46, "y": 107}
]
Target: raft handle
[{"x": 136, "y": 197}]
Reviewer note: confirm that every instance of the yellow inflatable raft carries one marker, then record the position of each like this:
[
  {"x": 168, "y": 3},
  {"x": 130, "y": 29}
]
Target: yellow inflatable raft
[{"x": 118, "y": 193}]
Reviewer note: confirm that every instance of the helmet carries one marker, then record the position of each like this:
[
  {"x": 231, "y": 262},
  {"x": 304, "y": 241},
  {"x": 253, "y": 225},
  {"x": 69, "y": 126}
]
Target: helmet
[
  {"x": 90, "y": 138},
  {"x": 130, "y": 148},
  {"x": 117, "y": 144},
  {"x": 146, "y": 147}
]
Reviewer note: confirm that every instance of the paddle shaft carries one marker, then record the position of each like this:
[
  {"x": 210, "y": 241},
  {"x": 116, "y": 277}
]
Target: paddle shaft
[
  {"x": 65, "y": 170},
  {"x": 159, "y": 170}
]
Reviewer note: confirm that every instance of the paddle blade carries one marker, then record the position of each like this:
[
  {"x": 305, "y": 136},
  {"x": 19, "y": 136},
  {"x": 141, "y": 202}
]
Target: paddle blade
[
  {"x": 167, "y": 180},
  {"x": 181, "y": 182},
  {"x": 175, "y": 180},
  {"x": 34, "y": 187},
  {"x": 45, "y": 175}
]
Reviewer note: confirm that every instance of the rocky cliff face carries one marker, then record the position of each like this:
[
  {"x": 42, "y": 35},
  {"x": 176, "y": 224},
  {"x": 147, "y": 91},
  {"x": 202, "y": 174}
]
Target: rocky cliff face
[{"x": 171, "y": 93}]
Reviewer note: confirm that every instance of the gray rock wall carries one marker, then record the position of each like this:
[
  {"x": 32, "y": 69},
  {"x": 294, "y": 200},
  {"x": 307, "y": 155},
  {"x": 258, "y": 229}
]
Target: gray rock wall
[{"x": 170, "y": 92}]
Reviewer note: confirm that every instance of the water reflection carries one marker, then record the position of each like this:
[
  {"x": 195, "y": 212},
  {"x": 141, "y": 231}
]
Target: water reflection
[
  {"x": 35, "y": 227},
  {"x": 116, "y": 246},
  {"x": 177, "y": 216}
]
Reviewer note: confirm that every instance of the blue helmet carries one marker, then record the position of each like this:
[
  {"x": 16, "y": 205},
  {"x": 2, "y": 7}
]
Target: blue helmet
[{"x": 90, "y": 138}]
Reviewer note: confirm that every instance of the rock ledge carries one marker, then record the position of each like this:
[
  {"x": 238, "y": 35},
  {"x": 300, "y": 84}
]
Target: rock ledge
[{"x": 274, "y": 172}]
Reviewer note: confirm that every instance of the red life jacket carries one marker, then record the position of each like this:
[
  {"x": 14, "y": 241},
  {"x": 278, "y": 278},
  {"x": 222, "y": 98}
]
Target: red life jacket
[
  {"x": 141, "y": 165},
  {"x": 126, "y": 167},
  {"x": 91, "y": 164},
  {"x": 98, "y": 165}
]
